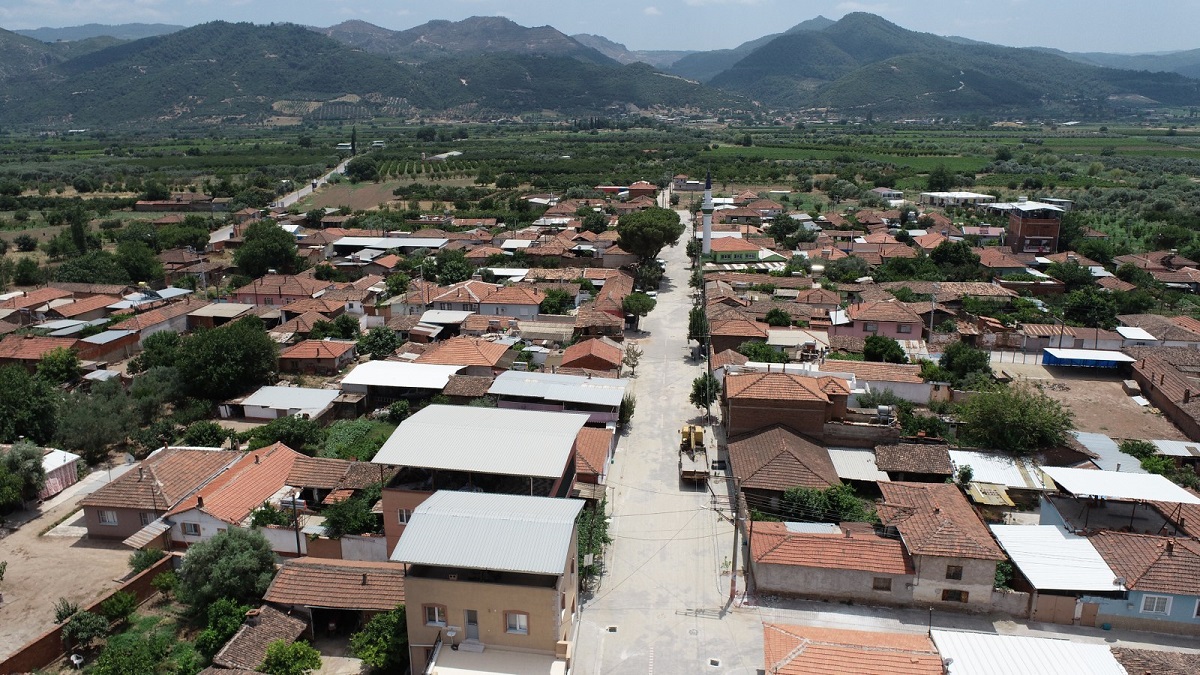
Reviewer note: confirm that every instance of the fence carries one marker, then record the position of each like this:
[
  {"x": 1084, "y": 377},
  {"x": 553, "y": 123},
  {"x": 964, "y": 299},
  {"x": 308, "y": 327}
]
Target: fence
[{"x": 48, "y": 647}]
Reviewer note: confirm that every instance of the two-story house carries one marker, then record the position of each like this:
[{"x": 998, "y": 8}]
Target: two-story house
[
  {"x": 516, "y": 301},
  {"x": 953, "y": 553},
  {"x": 892, "y": 319},
  {"x": 726, "y": 250},
  {"x": 491, "y": 579}
]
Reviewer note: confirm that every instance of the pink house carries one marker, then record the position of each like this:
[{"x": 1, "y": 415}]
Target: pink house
[{"x": 892, "y": 319}]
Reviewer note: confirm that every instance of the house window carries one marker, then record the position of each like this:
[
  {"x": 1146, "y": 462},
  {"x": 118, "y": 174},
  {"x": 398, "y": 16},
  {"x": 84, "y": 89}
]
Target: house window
[
  {"x": 443, "y": 305},
  {"x": 1196, "y": 614},
  {"x": 881, "y": 584},
  {"x": 146, "y": 518},
  {"x": 954, "y": 572},
  {"x": 402, "y": 516},
  {"x": 904, "y": 328},
  {"x": 190, "y": 529},
  {"x": 435, "y": 615},
  {"x": 107, "y": 517},
  {"x": 1156, "y": 604},
  {"x": 517, "y": 622},
  {"x": 871, "y": 327},
  {"x": 949, "y": 595}
]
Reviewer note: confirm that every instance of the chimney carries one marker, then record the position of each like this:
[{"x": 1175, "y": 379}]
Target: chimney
[
  {"x": 199, "y": 502},
  {"x": 141, "y": 473},
  {"x": 1187, "y": 395},
  {"x": 364, "y": 581},
  {"x": 256, "y": 457},
  {"x": 1170, "y": 547},
  {"x": 252, "y": 616}
]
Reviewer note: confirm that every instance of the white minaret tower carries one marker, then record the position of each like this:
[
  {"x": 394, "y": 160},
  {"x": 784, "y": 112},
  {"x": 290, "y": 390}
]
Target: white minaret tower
[{"x": 707, "y": 208}]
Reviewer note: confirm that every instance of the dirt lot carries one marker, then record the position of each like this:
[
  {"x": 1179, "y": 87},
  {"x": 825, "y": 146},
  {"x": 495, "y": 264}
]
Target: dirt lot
[
  {"x": 1098, "y": 401},
  {"x": 43, "y": 569}
]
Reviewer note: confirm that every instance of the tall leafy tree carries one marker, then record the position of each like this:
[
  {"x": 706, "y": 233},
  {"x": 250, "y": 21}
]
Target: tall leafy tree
[
  {"x": 646, "y": 233},
  {"x": 91, "y": 423},
  {"x": 761, "y": 352},
  {"x": 1016, "y": 419},
  {"x": 267, "y": 246},
  {"x": 94, "y": 267},
  {"x": 236, "y": 564},
  {"x": 224, "y": 362},
  {"x": 883, "y": 348},
  {"x": 383, "y": 642},
  {"x": 453, "y": 267},
  {"x": 380, "y": 342},
  {"x": 698, "y": 325},
  {"x": 28, "y": 406},
  {"x": 705, "y": 390}
]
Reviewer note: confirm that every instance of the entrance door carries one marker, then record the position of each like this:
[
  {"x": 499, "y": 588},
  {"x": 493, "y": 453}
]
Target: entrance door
[
  {"x": 472, "y": 624},
  {"x": 1088, "y": 618}
]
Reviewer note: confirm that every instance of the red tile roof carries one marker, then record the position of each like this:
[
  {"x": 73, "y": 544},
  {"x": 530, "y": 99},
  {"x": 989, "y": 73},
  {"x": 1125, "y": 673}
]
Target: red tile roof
[
  {"x": 338, "y": 584},
  {"x": 883, "y": 311},
  {"x": 31, "y": 348},
  {"x": 781, "y": 387},
  {"x": 247, "y": 649},
  {"x": 777, "y": 459},
  {"x": 464, "y": 351},
  {"x": 468, "y": 386},
  {"x": 243, "y": 487},
  {"x": 284, "y": 285},
  {"x": 855, "y": 548},
  {"x": 162, "y": 479},
  {"x": 733, "y": 245},
  {"x": 85, "y": 305},
  {"x": 927, "y": 458},
  {"x": 936, "y": 519},
  {"x": 1151, "y": 563},
  {"x": 38, "y": 296},
  {"x": 515, "y": 295},
  {"x": 317, "y": 349},
  {"x": 873, "y": 371},
  {"x": 736, "y": 328},
  {"x": 591, "y": 450},
  {"x": 160, "y": 315},
  {"x": 809, "y": 650},
  {"x": 601, "y": 349}
]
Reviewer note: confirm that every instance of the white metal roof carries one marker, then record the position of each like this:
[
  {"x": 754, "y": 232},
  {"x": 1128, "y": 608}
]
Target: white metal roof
[
  {"x": 968, "y": 653},
  {"x": 514, "y": 244},
  {"x": 987, "y": 467},
  {"x": 508, "y": 533},
  {"x": 107, "y": 337},
  {"x": 401, "y": 375},
  {"x": 1119, "y": 485},
  {"x": 796, "y": 337},
  {"x": 301, "y": 399},
  {"x": 1089, "y": 354},
  {"x": 444, "y": 316},
  {"x": 386, "y": 243},
  {"x": 55, "y": 458},
  {"x": 484, "y": 440},
  {"x": 1053, "y": 559},
  {"x": 1177, "y": 448},
  {"x": 1108, "y": 454},
  {"x": 222, "y": 309},
  {"x": 557, "y": 387},
  {"x": 1135, "y": 333},
  {"x": 856, "y": 464},
  {"x": 813, "y": 528}
]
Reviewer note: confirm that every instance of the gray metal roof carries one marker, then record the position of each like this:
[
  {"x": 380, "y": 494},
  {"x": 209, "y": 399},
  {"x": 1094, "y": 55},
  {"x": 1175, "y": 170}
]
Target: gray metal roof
[
  {"x": 107, "y": 337},
  {"x": 556, "y": 387},
  {"x": 484, "y": 440},
  {"x": 1053, "y": 559},
  {"x": 857, "y": 464},
  {"x": 969, "y": 653},
  {"x": 1108, "y": 454},
  {"x": 401, "y": 375},
  {"x": 301, "y": 399},
  {"x": 444, "y": 316},
  {"x": 508, "y": 533},
  {"x": 386, "y": 243}
]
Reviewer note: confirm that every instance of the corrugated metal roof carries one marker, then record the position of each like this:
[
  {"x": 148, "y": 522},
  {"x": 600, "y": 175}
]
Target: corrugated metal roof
[
  {"x": 147, "y": 534},
  {"x": 444, "y": 316},
  {"x": 508, "y": 533},
  {"x": 813, "y": 528},
  {"x": 557, "y": 387},
  {"x": 401, "y": 375},
  {"x": 856, "y": 464},
  {"x": 1003, "y": 470},
  {"x": 1177, "y": 448},
  {"x": 1135, "y": 333},
  {"x": 1056, "y": 560},
  {"x": 303, "y": 399},
  {"x": 386, "y": 243},
  {"x": 484, "y": 440},
  {"x": 1108, "y": 454},
  {"x": 990, "y": 654},
  {"x": 56, "y": 459},
  {"x": 1119, "y": 485},
  {"x": 1089, "y": 355}
]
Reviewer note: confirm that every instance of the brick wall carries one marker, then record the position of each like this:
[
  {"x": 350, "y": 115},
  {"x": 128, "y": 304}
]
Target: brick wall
[
  {"x": 806, "y": 417},
  {"x": 48, "y": 647}
]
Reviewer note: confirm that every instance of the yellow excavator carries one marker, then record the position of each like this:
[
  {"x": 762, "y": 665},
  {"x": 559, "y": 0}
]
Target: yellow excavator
[{"x": 693, "y": 457}]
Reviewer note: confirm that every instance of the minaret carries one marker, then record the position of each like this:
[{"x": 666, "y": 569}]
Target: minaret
[{"x": 707, "y": 208}]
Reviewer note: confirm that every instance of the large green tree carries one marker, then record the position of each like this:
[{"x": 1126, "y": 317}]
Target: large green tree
[
  {"x": 557, "y": 301},
  {"x": 94, "y": 267},
  {"x": 295, "y": 658},
  {"x": 1071, "y": 273},
  {"x": 28, "y": 406},
  {"x": 1017, "y": 419},
  {"x": 224, "y": 362},
  {"x": 705, "y": 390},
  {"x": 265, "y": 247},
  {"x": 236, "y": 564},
  {"x": 91, "y": 423},
  {"x": 383, "y": 642},
  {"x": 22, "y": 475},
  {"x": 138, "y": 261},
  {"x": 1091, "y": 307},
  {"x": 961, "y": 360},
  {"x": 59, "y": 365},
  {"x": 453, "y": 267},
  {"x": 298, "y": 433},
  {"x": 380, "y": 342},
  {"x": 646, "y": 233},
  {"x": 883, "y": 348},
  {"x": 761, "y": 352}
]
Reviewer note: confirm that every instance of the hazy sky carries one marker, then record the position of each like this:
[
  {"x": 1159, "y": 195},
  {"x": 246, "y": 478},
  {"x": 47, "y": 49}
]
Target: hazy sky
[{"x": 1074, "y": 25}]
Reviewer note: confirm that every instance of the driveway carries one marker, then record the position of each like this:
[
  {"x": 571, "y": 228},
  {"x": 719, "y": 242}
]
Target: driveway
[{"x": 41, "y": 569}]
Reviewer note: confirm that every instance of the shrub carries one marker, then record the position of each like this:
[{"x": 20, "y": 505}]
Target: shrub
[
  {"x": 398, "y": 412},
  {"x": 297, "y": 658},
  {"x": 142, "y": 560},
  {"x": 166, "y": 583},
  {"x": 83, "y": 628},
  {"x": 383, "y": 642},
  {"x": 118, "y": 608},
  {"x": 64, "y": 609}
]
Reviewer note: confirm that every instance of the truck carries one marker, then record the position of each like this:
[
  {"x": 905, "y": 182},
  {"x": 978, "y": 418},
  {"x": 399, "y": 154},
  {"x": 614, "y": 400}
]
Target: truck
[{"x": 693, "y": 457}]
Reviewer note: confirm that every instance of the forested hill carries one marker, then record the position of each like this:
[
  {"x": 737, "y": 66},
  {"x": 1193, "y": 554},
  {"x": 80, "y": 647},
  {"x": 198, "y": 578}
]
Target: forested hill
[
  {"x": 246, "y": 73},
  {"x": 866, "y": 63}
]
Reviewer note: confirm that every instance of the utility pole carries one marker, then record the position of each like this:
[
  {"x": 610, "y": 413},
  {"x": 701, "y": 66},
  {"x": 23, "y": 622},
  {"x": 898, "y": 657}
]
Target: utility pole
[{"x": 736, "y": 517}]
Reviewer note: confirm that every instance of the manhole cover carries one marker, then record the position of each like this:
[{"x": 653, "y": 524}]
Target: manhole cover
[
  {"x": 693, "y": 632},
  {"x": 714, "y": 662},
  {"x": 611, "y": 629}
]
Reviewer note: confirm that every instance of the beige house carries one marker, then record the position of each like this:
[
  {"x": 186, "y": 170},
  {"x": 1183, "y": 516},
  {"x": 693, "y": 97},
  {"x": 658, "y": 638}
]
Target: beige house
[{"x": 494, "y": 578}]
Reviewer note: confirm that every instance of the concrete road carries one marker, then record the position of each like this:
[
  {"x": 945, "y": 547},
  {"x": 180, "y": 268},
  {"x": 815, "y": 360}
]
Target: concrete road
[{"x": 662, "y": 604}]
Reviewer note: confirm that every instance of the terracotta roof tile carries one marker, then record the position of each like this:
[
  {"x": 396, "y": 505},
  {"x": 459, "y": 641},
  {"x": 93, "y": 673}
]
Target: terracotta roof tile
[
  {"x": 729, "y": 357},
  {"x": 733, "y": 244},
  {"x": 914, "y": 458},
  {"x": 1114, "y": 284},
  {"x": 247, "y": 648},
  {"x": 468, "y": 386},
  {"x": 936, "y": 519},
  {"x": 774, "y": 387},
  {"x": 338, "y": 584},
  {"x": 319, "y": 305},
  {"x": 808, "y": 650},
  {"x": 302, "y": 324},
  {"x": 736, "y": 328},
  {"x": 31, "y": 348},
  {"x": 243, "y": 487},
  {"x": 591, "y": 450},
  {"x": 778, "y": 459},
  {"x": 284, "y": 285},
  {"x": 85, "y": 305},
  {"x": 317, "y": 349},
  {"x": 162, "y": 480},
  {"x": 1151, "y": 563},
  {"x": 601, "y": 349},
  {"x": 322, "y": 473},
  {"x": 515, "y": 295},
  {"x": 1137, "y": 661},
  {"x": 852, "y": 549},
  {"x": 883, "y": 311},
  {"x": 873, "y": 371},
  {"x": 38, "y": 296},
  {"x": 464, "y": 351},
  {"x": 160, "y": 315}
]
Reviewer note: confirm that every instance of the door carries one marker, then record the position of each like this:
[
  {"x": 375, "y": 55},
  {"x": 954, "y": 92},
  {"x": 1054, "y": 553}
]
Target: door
[
  {"x": 1088, "y": 618},
  {"x": 471, "y": 622}
]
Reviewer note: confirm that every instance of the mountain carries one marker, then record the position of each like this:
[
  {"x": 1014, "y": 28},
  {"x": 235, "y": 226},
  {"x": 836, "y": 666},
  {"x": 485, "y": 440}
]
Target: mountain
[
  {"x": 20, "y": 55},
  {"x": 124, "y": 31},
  {"x": 1186, "y": 63},
  {"x": 242, "y": 73},
  {"x": 866, "y": 63},
  {"x": 703, "y": 66},
  {"x": 621, "y": 54},
  {"x": 476, "y": 35}
]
